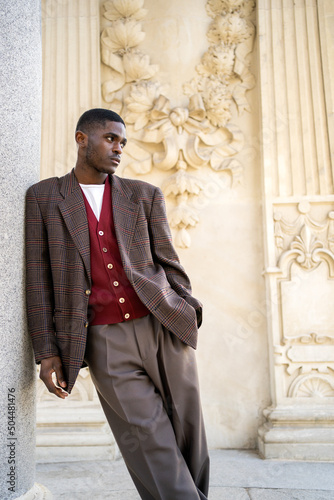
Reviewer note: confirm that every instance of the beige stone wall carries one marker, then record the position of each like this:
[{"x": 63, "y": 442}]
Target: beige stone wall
[
  {"x": 228, "y": 108},
  {"x": 224, "y": 256}
]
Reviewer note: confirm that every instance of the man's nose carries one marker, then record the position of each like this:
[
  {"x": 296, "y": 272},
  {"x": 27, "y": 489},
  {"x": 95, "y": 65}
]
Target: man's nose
[{"x": 117, "y": 148}]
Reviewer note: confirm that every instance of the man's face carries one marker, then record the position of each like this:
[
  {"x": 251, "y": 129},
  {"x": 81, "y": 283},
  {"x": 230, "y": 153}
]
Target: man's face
[{"x": 105, "y": 146}]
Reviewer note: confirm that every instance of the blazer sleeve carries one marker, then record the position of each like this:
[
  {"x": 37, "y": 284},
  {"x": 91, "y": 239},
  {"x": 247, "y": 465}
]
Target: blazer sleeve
[
  {"x": 39, "y": 289},
  {"x": 164, "y": 253}
]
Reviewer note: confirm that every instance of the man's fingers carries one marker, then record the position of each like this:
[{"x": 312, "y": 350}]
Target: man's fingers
[
  {"x": 58, "y": 368},
  {"x": 48, "y": 367},
  {"x": 57, "y": 391}
]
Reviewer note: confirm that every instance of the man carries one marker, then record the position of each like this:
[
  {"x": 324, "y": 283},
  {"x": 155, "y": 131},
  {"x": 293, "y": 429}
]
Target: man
[{"x": 105, "y": 288}]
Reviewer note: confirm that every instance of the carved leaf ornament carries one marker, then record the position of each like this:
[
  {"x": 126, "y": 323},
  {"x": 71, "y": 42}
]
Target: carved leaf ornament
[
  {"x": 124, "y": 9},
  {"x": 180, "y": 139},
  {"x": 312, "y": 242}
]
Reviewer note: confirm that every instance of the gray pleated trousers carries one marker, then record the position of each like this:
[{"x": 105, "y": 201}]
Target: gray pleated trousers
[{"x": 146, "y": 379}]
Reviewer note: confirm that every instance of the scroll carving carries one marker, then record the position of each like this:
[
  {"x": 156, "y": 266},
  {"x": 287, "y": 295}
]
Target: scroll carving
[
  {"x": 312, "y": 360},
  {"x": 310, "y": 352},
  {"x": 184, "y": 139}
]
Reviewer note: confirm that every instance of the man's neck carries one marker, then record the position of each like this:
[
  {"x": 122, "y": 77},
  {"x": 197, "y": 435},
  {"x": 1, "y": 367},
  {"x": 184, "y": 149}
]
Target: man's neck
[{"x": 86, "y": 177}]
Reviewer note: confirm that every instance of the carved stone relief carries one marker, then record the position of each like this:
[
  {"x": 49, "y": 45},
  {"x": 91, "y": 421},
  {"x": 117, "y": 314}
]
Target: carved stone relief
[
  {"x": 305, "y": 291},
  {"x": 306, "y": 237},
  {"x": 180, "y": 140},
  {"x": 312, "y": 385}
]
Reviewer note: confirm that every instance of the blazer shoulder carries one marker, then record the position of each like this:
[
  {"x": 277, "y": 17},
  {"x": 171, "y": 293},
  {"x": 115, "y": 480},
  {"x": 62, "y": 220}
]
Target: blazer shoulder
[
  {"x": 135, "y": 184},
  {"x": 51, "y": 184},
  {"x": 137, "y": 190},
  {"x": 44, "y": 185}
]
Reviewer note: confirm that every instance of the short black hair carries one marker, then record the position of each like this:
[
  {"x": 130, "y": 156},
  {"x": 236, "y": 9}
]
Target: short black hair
[{"x": 97, "y": 116}]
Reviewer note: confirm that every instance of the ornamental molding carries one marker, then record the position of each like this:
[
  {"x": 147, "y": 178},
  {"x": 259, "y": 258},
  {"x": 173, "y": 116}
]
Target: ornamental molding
[
  {"x": 305, "y": 240},
  {"x": 309, "y": 363},
  {"x": 303, "y": 276},
  {"x": 181, "y": 140},
  {"x": 311, "y": 352},
  {"x": 312, "y": 385}
]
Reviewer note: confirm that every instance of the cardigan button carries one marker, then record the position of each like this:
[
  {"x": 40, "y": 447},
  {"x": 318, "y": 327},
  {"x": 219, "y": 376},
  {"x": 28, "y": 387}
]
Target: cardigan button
[
  {"x": 86, "y": 324},
  {"x": 88, "y": 292}
]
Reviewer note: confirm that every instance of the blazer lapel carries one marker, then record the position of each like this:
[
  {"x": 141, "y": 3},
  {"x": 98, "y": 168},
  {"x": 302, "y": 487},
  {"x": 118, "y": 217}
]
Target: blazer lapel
[
  {"x": 125, "y": 212},
  {"x": 73, "y": 211}
]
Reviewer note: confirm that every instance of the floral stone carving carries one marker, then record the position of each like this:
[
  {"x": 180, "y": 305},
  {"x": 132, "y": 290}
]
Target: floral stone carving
[{"x": 184, "y": 139}]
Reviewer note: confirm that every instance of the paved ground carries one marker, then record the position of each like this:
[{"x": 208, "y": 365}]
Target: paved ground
[{"x": 236, "y": 475}]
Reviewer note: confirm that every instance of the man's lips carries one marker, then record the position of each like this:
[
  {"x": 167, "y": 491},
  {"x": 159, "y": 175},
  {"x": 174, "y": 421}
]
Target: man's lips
[{"x": 116, "y": 159}]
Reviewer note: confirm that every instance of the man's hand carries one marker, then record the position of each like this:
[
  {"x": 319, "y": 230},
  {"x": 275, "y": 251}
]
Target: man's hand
[{"x": 48, "y": 367}]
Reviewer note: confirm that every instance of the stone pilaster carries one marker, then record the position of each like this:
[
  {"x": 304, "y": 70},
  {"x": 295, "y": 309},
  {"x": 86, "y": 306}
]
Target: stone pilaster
[
  {"x": 20, "y": 110},
  {"x": 295, "y": 92},
  {"x": 71, "y": 77}
]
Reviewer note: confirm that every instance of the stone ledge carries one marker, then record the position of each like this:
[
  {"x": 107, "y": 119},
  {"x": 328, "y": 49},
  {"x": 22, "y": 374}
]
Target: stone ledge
[{"x": 37, "y": 492}]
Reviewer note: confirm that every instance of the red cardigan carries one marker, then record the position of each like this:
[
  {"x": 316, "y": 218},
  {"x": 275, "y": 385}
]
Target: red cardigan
[{"x": 112, "y": 298}]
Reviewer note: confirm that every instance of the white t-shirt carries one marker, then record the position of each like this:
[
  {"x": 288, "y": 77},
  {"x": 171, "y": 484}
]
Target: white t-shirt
[{"x": 94, "y": 195}]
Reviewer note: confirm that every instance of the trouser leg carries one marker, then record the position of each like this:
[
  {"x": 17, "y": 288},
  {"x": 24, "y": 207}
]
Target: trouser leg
[
  {"x": 173, "y": 369},
  {"x": 145, "y": 450},
  {"x": 128, "y": 367}
]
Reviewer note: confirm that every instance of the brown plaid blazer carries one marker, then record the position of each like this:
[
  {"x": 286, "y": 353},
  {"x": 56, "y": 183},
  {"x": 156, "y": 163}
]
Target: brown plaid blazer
[{"x": 58, "y": 265}]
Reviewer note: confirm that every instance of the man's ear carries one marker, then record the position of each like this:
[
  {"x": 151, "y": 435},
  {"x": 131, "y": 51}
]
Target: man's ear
[{"x": 81, "y": 138}]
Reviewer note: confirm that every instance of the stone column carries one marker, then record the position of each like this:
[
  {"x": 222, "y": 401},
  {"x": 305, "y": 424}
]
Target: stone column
[
  {"x": 74, "y": 429},
  {"x": 297, "y": 166},
  {"x": 20, "y": 110}
]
